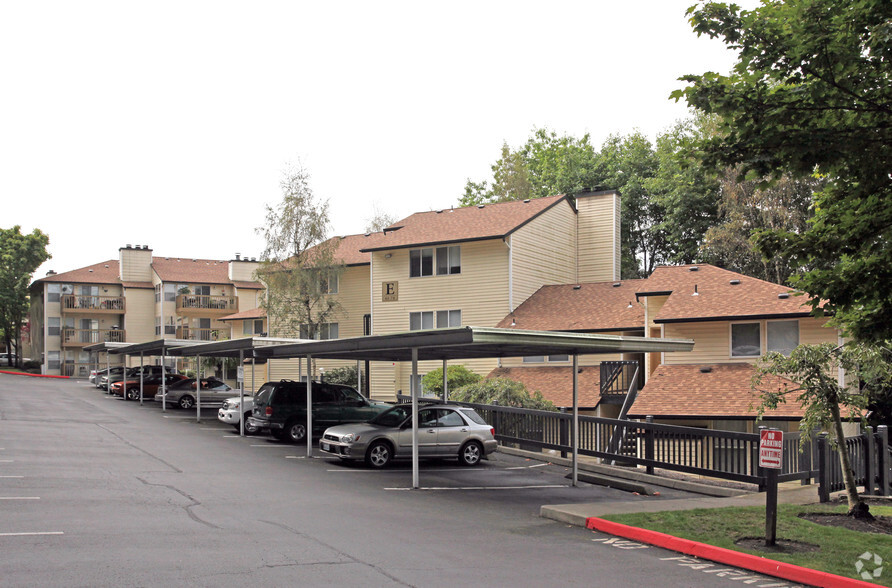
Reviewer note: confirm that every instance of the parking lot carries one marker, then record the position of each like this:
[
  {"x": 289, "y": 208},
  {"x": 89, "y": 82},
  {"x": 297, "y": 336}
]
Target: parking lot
[{"x": 98, "y": 491}]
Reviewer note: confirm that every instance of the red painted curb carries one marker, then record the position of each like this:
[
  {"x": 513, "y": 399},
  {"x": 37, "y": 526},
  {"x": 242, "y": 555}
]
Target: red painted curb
[
  {"x": 754, "y": 563},
  {"x": 34, "y": 375}
]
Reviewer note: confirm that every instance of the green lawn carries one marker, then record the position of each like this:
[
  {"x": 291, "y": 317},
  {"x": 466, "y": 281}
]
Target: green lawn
[{"x": 839, "y": 548}]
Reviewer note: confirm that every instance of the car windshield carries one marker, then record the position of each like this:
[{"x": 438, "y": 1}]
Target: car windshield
[{"x": 394, "y": 416}]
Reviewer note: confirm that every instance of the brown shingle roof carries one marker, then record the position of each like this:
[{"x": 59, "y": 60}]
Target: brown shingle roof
[
  {"x": 723, "y": 392},
  {"x": 716, "y": 296},
  {"x": 192, "y": 271},
  {"x": 463, "y": 224},
  {"x": 602, "y": 306},
  {"x": 104, "y": 272},
  {"x": 254, "y": 313},
  {"x": 350, "y": 248},
  {"x": 556, "y": 383}
]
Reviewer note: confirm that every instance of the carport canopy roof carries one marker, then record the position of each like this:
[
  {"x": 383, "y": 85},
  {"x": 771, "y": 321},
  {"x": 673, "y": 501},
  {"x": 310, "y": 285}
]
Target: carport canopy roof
[
  {"x": 107, "y": 346},
  {"x": 157, "y": 347},
  {"x": 231, "y": 347},
  {"x": 470, "y": 343}
]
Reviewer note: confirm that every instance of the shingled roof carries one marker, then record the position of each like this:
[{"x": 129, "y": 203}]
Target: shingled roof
[
  {"x": 104, "y": 272},
  {"x": 191, "y": 271},
  {"x": 706, "y": 391},
  {"x": 597, "y": 307},
  {"x": 705, "y": 292},
  {"x": 556, "y": 383},
  {"x": 471, "y": 223}
]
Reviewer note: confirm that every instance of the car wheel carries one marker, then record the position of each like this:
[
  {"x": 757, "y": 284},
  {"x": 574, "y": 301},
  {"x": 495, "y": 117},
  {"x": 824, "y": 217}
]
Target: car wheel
[
  {"x": 379, "y": 454},
  {"x": 132, "y": 394},
  {"x": 470, "y": 454},
  {"x": 296, "y": 432},
  {"x": 250, "y": 429},
  {"x": 186, "y": 402}
]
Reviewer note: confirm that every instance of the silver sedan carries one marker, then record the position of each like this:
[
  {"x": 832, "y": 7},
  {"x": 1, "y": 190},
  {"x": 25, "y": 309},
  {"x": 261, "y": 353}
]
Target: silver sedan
[{"x": 443, "y": 431}]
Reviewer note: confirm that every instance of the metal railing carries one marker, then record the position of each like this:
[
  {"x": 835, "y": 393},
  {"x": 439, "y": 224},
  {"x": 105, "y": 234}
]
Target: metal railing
[
  {"x": 212, "y": 334},
  {"x": 92, "y": 303},
  {"x": 79, "y": 337},
  {"x": 203, "y": 302}
]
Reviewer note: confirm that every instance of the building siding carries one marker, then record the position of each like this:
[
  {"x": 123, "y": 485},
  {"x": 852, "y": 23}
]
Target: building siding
[
  {"x": 598, "y": 241},
  {"x": 543, "y": 253}
]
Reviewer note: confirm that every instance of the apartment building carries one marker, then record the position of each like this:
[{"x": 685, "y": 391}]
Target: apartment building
[{"x": 135, "y": 298}]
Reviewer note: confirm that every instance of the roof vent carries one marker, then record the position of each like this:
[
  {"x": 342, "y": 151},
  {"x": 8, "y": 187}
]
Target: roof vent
[
  {"x": 783, "y": 295},
  {"x": 696, "y": 293},
  {"x": 617, "y": 284},
  {"x": 91, "y": 271},
  {"x": 734, "y": 282},
  {"x": 527, "y": 201},
  {"x": 705, "y": 369},
  {"x": 128, "y": 246},
  {"x": 577, "y": 287},
  {"x": 238, "y": 256},
  {"x": 51, "y": 273},
  {"x": 693, "y": 268},
  {"x": 481, "y": 206},
  {"x": 439, "y": 212},
  {"x": 106, "y": 265}
]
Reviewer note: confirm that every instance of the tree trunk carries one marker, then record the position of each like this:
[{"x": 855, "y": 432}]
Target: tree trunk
[{"x": 857, "y": 508}]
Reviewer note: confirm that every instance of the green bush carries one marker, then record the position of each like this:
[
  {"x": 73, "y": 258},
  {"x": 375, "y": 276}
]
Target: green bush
[
  {"x": 31, "y": 365},
  {"x": 503, "y": 392},
  {"x": 456, "y": 377},
  {"x": 343, "y": 375}
]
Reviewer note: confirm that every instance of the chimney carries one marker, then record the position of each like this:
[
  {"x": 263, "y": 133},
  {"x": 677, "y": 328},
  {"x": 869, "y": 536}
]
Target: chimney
[{"x": 135, "y": 264}]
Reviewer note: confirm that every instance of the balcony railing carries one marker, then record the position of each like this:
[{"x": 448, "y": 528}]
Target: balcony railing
[
  {"x": 82, "y": 337},
  {"x": 616, "y": 379},
  {"x": 75, "y": 303},
  {"x": 195, "y": 304},
  {"x": 214, "y": 334}
]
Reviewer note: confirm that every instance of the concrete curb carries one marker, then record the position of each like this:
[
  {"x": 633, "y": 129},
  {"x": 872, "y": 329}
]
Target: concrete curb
[
  {"x": 35, "y": 375},
  {"x": 721, "y": 555}
]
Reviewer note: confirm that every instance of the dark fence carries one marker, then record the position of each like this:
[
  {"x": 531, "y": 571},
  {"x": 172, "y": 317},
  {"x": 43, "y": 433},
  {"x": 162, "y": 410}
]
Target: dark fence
[{"x": 724, "y": 455}]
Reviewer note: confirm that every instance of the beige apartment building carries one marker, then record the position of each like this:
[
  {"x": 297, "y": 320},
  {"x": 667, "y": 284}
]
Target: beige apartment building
[{"x": 133, "y": 299}]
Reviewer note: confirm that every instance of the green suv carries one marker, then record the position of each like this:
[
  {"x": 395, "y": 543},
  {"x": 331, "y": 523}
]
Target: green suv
[{"x": 281, "y": 408}]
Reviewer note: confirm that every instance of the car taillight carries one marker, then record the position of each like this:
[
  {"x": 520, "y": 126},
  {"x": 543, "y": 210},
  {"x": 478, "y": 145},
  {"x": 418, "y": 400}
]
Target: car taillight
[
  {"x": 269, "y": 411},
  {"x": 492, "y": 431}
]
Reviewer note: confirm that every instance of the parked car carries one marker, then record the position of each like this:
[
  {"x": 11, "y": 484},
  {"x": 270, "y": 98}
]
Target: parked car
[
  {"x": 109, "y": 373},
  {"x": 444, "y": 430},
  {"x": 182, "y": 393},
  {"x": 230, "y": 413},
  {"x": 281, "y": 408},
  {"x": 118, "y": 373},
  {"x": 9, "y": 359},
  {"x": 151, "y": 384}
]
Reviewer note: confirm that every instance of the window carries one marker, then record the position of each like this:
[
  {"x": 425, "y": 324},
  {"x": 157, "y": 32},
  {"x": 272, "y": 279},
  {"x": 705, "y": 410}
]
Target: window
[
  {"x": 170, "y": 293},
  {"x": 157, "y": 296},
  {"x": 54, "y": 326},
  {"x": 544, "y": 358},
  {"x": 252, "y": 326},
  {"x": 366, "y": 324},
  {"x": 326, "y": 331},
  {"x": 328, "y": 282},
  {"x": 449, "y": 418},
  {"x": 421, "y": 320},
  {"x": 421, "y": 261},
  {"x": 448, "y": 260},
  {"x": 170, "y": 328},
  {"x": 746, "y": 340},
  {"x": 448, "y": 318},
  {"x": 53, "y": 292},
  {"x": 53, "y": 359},
  {"x": 199, "y": 290},
  {"x": 783, "y": 336}
]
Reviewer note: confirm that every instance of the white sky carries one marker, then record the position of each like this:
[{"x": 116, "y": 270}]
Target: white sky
[{"x": 170, "y": 124}]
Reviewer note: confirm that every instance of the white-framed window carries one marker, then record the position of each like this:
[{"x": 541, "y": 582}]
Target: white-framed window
[
  {"x": 158, "y": 325},
  {"x": 421, "y": 320},
  {"x": 53, "y": 360},
  {"x": 170, "y": 328},
  {"x": 252, "y": 326},
  {"x": 53, "y": 292},
  {"x": 782, "y": 336},
  {"x": 170, "y": 292},
  {"x": 53, "y": 326},
  {"x": 546, "y": 358},
  {"x": 448, "y": 261},
  {"x": 746, "y": 340},
  {"x": 328, "y": 282},
  {"x": 326, "y": 331},
  {"x": 429, "y": 319},
  {"x": 157, "y": 296},
  {"x": 448, "y": 318}
]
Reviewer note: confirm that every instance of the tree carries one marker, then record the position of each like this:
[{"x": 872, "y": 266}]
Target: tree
[
  {"x": 299, "y": 267},
  {"x": 503, "y": 392},
  {"x": 814, "y": 370},
  {"x": 380, "y": 220},
  {"x": 456, "y": 377},
  {"x": 20, "y": 256},
  {"x": 748, "y": 206},
  {"x": 811, "y": 92}
]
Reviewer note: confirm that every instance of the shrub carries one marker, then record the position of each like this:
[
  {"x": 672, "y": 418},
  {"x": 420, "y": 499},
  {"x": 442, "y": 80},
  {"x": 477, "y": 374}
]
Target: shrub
[
  {"x": 503, "y": 392},
  {"x": 343, "y": 375},
  {"x": 456, "y": 377}
]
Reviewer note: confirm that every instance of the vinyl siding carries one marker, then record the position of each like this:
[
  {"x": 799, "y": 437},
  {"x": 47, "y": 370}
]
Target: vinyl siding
[
  {"x": 543, "y": 252},
  {"x": 136, "y": 265},
  {"x": 140, "y": 318},
  {"x": 598, "y": 242}
]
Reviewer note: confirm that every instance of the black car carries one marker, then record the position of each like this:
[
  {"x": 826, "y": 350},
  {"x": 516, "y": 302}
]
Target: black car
[{"x": 281, "y": 408}]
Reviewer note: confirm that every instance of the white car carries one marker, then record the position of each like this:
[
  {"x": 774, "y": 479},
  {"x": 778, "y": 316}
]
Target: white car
[{"x": 229, "y": 413}]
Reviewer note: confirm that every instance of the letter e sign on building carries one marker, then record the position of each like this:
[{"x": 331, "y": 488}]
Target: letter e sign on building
[
  {"x": 771, "y": 448},
  {"x": 390, "y": 291}
]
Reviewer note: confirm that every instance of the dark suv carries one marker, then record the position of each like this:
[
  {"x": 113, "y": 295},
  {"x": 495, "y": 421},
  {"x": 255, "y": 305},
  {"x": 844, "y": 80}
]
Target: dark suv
[{"x": 281, "y": 408}]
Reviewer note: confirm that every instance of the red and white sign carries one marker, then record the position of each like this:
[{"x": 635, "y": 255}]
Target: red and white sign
[{"x": 771, "y": 449}]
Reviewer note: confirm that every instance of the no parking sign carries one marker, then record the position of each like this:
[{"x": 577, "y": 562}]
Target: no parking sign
[{"x": 771, "y": 448}]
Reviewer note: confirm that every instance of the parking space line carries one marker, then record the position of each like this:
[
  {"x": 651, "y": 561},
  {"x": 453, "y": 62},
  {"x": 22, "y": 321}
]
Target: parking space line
[
  {"x": 12, "y": 476},
  {"x": 487, "y": 487},
  {"x": 368, "y": 471},
  {"x": 5, "y": 461},
  {"x": 32, "y": 533},
  {"x": 540, "y": 465},
  {"x": 19, "y": 497}
]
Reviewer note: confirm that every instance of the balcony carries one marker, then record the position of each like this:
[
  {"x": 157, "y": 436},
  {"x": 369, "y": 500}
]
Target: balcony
[
  {"x": 82, "y": 337},
  {"x": 617, "y": 378},
  {"x": 213, "y": 334},
  {"x": 77, "y": 304},
  {"x": 206, "y": 306}
]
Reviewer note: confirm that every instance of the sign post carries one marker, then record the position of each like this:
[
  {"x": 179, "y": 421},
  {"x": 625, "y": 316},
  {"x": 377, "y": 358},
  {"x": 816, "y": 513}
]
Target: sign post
[{"x": 771, "y": 456}]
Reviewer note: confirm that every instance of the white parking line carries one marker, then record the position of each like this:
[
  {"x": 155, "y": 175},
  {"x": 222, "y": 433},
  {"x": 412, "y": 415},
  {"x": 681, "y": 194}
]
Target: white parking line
[
  {"x": 29, "y": 534},
  {"x": 19, "y": 497},
  {"x": 488, "y": 487},
  {"x": 5, "y": 461},
  {"x": 12, "y": 476},
  {"x": 541, "y": 465},
  {"x": 272, "y": 445},
  {"x": 368, "y": 471}
]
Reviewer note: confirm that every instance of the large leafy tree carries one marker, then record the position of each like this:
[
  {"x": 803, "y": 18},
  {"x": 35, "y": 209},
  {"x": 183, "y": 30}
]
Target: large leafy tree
[
  {"x": 299, "y": 266},
  {"x": 20, "y": 256},
  {"x": 811, "y": 93}
]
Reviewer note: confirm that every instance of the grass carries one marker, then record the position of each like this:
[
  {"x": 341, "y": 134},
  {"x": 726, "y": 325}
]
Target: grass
[{"x": 839, "y": 548}]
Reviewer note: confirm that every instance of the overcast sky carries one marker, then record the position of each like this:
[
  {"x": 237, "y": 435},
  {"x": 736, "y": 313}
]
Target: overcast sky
[{"x": 170, "y": 124}]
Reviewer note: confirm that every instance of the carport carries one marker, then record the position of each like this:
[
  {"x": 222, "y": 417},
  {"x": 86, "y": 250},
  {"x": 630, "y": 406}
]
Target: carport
[
  {"x": 244, "y": 348},
  {"x": 466, "y": 343},
  {"x": 106, "y": 347},
  {"x": 158, "y": 348}
]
